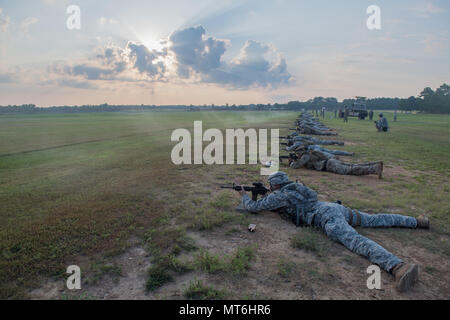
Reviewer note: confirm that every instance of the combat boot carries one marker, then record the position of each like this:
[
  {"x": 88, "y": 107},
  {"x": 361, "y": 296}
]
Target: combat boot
[
  {"x": 423, "y": 222},
  {"x": 380, "y": 169},
  {"x": 406, "y": 275}
]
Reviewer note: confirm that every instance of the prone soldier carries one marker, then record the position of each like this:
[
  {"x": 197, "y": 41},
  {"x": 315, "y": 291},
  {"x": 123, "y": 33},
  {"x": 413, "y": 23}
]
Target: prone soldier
[
  {"x": 325, "y": 161},
  {"x": 300, "y": 203}
]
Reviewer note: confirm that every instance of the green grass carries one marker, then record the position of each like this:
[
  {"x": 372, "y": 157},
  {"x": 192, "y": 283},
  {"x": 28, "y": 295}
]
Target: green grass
[
  {"x": 76, "y": 185},
  {"x": 415, "y": 141},
  {"x": 196, "y": 290},
  {"x": 285, "y": 267},
  {"x": 99, "y": 269},
  {"x": 157, "y": 277},
  {"x": 310, "y": 240},
  {"x": 237, "y": 263}
]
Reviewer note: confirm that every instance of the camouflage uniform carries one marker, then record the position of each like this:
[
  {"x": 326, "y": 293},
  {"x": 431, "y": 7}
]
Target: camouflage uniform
[
  {"x": 335, "y": 219},
  {"x": 311, "y": 130},
  {"x": 324, "y": 161},
  {"x": 316, "y": 141},
  {"x": 382, "y": 124},
  {"x": 360, "y": 169},
  {"x": 315, "y": 147}
]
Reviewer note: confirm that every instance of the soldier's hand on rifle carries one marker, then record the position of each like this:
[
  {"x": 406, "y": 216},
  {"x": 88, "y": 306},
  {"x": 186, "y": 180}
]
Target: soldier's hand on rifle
[{"x": 242, "y": 192}]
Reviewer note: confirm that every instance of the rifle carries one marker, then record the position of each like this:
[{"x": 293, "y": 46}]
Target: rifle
[
  {"x": 258, "y": 188},
  {"x": 293, "y": 129},
  {"x": 291, "y": 156}
]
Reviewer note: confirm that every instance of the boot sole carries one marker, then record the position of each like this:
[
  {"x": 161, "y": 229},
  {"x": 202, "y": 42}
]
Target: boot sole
[{"x": 409, "y": 279}]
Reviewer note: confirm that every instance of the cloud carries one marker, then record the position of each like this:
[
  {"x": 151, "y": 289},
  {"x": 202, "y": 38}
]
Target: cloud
[
  {"x": 187, "y": 55},
  {"x": 75, "y": 84},
  {"x": 253, "y": 68},
  {"x": 4, "y": 21},
  {"x": 146, "y": 60},
  {"x": 26, "y": 23},
  {"x": 86, "y": 71},
  {"x": 194, "y": 52}
]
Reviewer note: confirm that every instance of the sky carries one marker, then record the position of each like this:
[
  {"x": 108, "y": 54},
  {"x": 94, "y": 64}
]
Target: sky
[{"x": 216, "y": 52}]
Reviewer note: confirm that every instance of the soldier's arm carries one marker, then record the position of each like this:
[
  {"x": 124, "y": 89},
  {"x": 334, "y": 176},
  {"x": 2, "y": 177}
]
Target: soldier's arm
[
  {"x": 272, "y": 202},
  {"x": 301, "y": 162},
  {"x": 320, "y": 155},
  {"x": 294, "y": 146}
]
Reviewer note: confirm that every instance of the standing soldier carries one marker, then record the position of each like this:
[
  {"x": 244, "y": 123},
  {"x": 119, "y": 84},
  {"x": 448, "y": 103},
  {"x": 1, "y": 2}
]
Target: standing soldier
[
  {"x": 335, "y": 113},
  {"x": 395, "y": 116},
  {"x": 371, "y": 115},
  {"x": 346, "y": 112}
]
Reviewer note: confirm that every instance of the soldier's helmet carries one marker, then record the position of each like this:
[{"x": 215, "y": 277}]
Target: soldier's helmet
[{"x": 278, "y": 178}]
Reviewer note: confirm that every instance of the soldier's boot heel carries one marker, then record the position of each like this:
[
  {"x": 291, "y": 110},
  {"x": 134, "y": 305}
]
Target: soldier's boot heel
[
  {"x": 380, "y": 170},
  {"x": 423, "y": 222},
  {"x": 406, "y": 276}
]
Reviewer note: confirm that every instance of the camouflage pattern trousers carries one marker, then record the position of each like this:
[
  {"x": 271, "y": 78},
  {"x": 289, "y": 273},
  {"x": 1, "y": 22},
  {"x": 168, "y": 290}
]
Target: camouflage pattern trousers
[
  {"x": 336, "y": 221},
  {"x": 335, "y": 152},
  {"x": 339, "y": 167}
]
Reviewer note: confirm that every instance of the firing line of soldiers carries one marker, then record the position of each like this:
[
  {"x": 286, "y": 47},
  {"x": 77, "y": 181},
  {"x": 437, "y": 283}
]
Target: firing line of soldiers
[
  {"x": 300, "y": 204},
  {"x": 306, "y": 152}
]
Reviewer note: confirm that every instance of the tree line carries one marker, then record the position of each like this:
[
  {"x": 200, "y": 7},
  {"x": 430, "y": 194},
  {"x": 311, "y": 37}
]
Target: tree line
[{"x": 429, "y": 101}]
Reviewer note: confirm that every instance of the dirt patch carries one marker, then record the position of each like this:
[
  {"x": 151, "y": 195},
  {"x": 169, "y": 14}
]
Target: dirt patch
[{"x": 133, "y": 265}]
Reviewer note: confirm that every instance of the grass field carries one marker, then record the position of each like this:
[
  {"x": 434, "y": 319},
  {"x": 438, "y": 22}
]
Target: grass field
[{"x": 99, "y": 190}]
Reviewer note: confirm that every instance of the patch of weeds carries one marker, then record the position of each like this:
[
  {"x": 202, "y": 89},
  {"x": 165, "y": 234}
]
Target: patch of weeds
[
  {"x": 170, "y": 240},
  {"x": 208, "y": 262},
  {"x": 222, "y": 202},
  {"x": 314, "y": 274},
  {"x": 170, "y": 262},
  {"x": 430, "y": 269},
  {"x": 197, "y": 201},
  {"x": 285, "y": 267},
  {"x": 232, "y": 231},
  {"x": 196, "y": 290},
  {"x": 309, "y": 240},
  {"x": 101, "y": 269},
  {"x": 83, "y": 296},
  {"x": 240, "y": 261},
  {"x": 209, "y": 218},
  {"x": 237, "y": 263},
  {"x": 163, "y": 270},
  {"x": 157, "y": 276}
]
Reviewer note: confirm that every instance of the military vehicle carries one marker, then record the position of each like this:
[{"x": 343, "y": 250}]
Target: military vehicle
[{"x": 357, "y": 109}]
